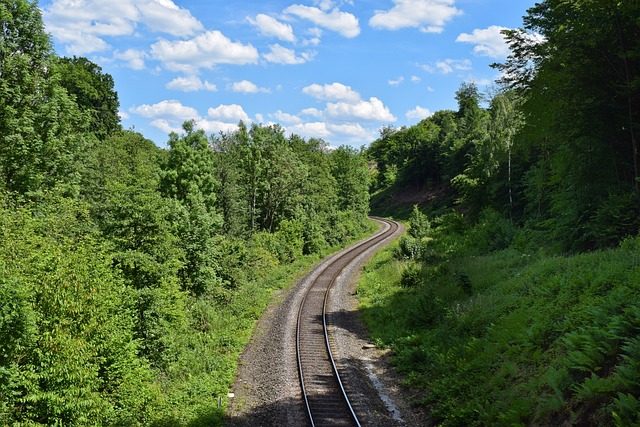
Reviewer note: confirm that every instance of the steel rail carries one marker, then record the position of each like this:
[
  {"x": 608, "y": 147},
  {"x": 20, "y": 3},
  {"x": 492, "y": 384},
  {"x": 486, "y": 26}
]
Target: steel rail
[{"x": 346, "y": 257}]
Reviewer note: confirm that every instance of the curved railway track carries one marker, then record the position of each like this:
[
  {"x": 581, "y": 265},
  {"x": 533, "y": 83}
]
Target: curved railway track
[{"x": 326, "y": 400}]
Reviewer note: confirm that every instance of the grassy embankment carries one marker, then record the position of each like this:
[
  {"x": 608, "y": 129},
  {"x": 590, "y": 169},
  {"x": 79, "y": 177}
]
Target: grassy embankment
[{"x": 509, "y": 337}]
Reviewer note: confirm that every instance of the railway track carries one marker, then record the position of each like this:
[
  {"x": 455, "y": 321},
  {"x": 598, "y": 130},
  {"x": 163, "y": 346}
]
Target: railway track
[{"x": 324, "y": 393}]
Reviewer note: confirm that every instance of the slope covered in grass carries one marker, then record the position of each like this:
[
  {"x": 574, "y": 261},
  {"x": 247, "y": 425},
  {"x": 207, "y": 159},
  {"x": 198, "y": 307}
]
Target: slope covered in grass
[{"x": 508, "y": 338}]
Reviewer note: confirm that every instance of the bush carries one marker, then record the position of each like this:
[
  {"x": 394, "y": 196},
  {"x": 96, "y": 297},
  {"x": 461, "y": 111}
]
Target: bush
[{"x": 492, "y": 232}]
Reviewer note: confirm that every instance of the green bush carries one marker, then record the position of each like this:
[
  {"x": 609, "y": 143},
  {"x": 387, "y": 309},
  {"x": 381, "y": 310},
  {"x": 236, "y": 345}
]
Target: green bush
[{"x": 511, "y": 339}]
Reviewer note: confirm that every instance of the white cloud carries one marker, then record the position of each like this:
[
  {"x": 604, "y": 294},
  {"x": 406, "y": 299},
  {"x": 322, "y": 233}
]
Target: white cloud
[
  {"x": 123, "y": 115},
  {"x": 428, "y": 15},
  {"x": 167, "y": 110},
  {"x": 342, "y": 22},
  {"x": 190, "y": 84},
  {"x": 446, "y": 66},
  {"x": 418, "y": 113},
  {"x": 271, "y": 27},
  {"x": 479, "y": 82},
  {"x": 315, "y": 32},
  {"x": 283, "y": 55},
  {"x": 169, "y": 115},
  {"x": 165, "y": 126},
  {"x": 324, "y": 4},
  {"x": 353, "y": 130},
  {"x": 373, "y": 110},
  {"x": 285, "y": 117},
  {"x": 228, "y": 113},
  {"x": 313, "y": 112},
  {"x": 134, "y": 58},
  {"x": 215, "y": 126},
  {"x": 246, "y": 87},
  {"x": 203, "y": 51},
  {"x": 311, "y": 42},
  {"x": 415, "y": 79},
  {"x": 345, "y": 133},
  {"x": 82, "y": 25},
  {"x": 488, "y": 42},
  {"x": 449, "y": 65},
  {"x": 331, "y": 4},
  {"x": 332, "y": 92},
  {"x": 164, "y": 16},
  {"x": 310, "y": 130},
  {"x": 396, "y": 82}
]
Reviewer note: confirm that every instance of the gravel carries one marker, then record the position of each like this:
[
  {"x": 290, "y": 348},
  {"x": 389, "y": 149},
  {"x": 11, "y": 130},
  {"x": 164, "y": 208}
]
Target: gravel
[{"x": 267, "y": 390}]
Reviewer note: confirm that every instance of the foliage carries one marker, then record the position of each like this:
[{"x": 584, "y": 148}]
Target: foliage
[
  {"x": 68, "y": 353},
  {"x": 41, "y": 128},
  {"x": 508, "y": 338},
  {"x": 93, "y": 91},
  {"x": 130, "y": 276}
]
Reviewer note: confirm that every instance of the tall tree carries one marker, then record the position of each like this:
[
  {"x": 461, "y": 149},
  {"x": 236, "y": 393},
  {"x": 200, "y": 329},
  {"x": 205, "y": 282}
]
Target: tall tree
[
  {"x": 578, "y": 62},
  {"x": 93, "y": 91},
  {"x": 41, "y": 128}
]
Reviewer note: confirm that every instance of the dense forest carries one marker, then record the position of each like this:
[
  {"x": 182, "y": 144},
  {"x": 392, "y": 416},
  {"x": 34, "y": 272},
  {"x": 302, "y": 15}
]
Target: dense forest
[
  {"x": 512, "y": 300},
  {"x": 514, "y": 297},
  {"x": 131, "y": 276}
]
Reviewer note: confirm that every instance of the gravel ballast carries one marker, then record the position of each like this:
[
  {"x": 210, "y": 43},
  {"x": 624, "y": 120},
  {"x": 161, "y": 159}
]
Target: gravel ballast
[{"x": 267, "y": 389}]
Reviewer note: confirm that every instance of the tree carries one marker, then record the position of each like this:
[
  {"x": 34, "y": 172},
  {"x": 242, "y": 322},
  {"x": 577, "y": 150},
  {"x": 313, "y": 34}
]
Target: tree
[
  {"x": 581, "y": 78},
  {"x": 349, "y": 169},
  {"x": 41, "y": 128},
  {"x": 93, "y": 91},
  {"x": 190, "y": 179}
]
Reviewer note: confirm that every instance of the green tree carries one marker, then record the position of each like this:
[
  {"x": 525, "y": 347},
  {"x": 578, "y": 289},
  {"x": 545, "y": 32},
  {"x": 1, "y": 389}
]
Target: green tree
[
  {"x": 93, "y": 91},
  {"x": 41, "y": 128},
  {"x": 581, "y": 79},
  {"x": 350, "y": 170},
  {"x": 189, "y": 178},
  {"x": 68, "y": 352}
]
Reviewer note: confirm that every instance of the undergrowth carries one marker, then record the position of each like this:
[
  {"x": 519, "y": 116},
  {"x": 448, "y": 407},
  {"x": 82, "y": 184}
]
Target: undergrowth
[{"x": 503, "y": 337}]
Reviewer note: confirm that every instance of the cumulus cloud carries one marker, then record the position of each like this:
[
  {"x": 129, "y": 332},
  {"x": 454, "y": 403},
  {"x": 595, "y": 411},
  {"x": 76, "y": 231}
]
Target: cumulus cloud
[
  {"x": 348, "y": 104},
  {"x": 215, "y": 126},
  {"x": 286, "y": 118},
  {"x": 166, "y": 110},
  {"x": 373, "y": 110},
  {"x": 190, "y": 84},
  {"x": 203, "y": 51},
  {"x": 313, "y": 112},
  {"x": 134, "y": 58},
  {"x": 310, "y": 130},
  {"x": 332, "y": 92},
  {"x": 282, "y": 55},
  {"x": 488, "y": 42},
  {"x": 165, "y": 126},
  {"x": 346, "y": 133},
  {"x": 81, "y": 26},
  {"x": 228, "y": 113},
  {"x": 427, "y": 15},
  {"x": 246, "y": 87},
  {"x": 418, "y": 113},
  {"x": 341, "y": 22},
  {"x": 271, "y": 27},
  {"x": 169, "y": 115}
]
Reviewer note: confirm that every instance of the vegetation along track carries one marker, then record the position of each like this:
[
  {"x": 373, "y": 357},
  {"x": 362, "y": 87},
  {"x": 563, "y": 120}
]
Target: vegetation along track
[{"x": 326, "y": 400}]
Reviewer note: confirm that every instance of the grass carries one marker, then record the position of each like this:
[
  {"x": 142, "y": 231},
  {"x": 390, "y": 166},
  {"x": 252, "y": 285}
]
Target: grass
[{"x": 512, "y": 339}]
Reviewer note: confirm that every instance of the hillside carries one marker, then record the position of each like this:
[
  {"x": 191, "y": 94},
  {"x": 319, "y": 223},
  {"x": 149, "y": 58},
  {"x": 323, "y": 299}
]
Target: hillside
[{"x": 513, "y": 298}]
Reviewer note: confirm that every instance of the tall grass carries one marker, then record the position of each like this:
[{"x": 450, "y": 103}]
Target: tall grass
[{"x": 507, "y": 338}]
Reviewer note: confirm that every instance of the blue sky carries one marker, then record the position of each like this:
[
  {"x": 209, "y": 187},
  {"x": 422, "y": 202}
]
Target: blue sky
[{"x": 332, "y": 69}]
